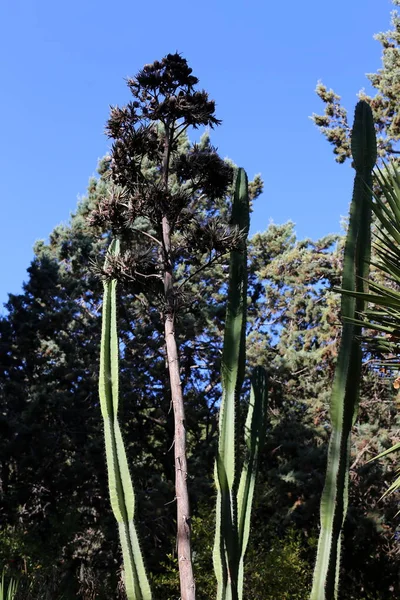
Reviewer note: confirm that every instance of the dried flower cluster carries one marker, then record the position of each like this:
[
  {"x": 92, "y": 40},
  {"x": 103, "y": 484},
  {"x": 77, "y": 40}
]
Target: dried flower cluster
[{"x": 155, "y": 175}]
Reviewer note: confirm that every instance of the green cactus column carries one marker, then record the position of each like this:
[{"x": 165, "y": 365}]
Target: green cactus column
[
  {"x": 344, "y": 400},
  {"x": 119, "y": 481},
  {"x": 234, "y": 498}
]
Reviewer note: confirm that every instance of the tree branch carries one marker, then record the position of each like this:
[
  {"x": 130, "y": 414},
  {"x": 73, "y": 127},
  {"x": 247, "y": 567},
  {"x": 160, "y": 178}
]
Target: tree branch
[
  {"x": 207, "y": 264},
  {"x": 155, "y": 240}
]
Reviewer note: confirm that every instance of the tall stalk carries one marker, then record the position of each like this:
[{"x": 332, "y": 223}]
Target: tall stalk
[
  {"x": 344, "y": 400},
  {"x": 154, "y": 210},
  {"x": 381, "y": 318},
  {"x": 235, "y": 495},
  {"x": 186, "y": 576},
  {"x": 119, "y": 481}
]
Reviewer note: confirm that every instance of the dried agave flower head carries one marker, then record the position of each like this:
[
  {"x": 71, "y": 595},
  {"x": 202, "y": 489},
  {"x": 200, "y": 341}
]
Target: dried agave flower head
[{"x": 163, "y": 94}]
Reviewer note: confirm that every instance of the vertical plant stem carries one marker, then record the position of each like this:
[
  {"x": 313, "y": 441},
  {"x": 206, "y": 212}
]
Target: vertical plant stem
[
  {"x": 226, "y": 546},
  {"x": 186, "y": 577},
  {"x": 122, "y": 496},
  {"x": 254, "y": 436},
  {"x": 344, "y": 400},
  {"x": 181, "y": 488}
]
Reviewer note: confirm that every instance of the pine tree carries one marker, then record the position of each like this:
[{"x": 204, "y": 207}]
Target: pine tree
[
  {"x": 385, "y": 104},
  {"x": 52, "y": 414},
  {"x": 54, "y": 499},
  {"x": 64, "y": 288},
  {"x": 300, "y": 312}
]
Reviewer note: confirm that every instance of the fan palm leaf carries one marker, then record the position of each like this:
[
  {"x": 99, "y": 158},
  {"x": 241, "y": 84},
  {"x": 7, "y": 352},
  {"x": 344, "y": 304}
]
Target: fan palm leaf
[{"x": 383, "y": 316}]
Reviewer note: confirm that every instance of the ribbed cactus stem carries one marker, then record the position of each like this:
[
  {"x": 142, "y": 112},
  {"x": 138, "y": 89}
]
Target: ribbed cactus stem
[
  {"x": 234, "y": 498},
  {"x": 119, "y": 481},
  {"x": 344, "y": 400},
  {"x": 254, "y": 436}
]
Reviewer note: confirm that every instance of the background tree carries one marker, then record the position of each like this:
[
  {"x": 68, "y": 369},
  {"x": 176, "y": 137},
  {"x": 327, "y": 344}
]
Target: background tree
[
  {"x": 61, "y": 277},
  {"x": 64, "y": 509},
  {"x": 385, "y": 104},
  {"x": 56, "y": 521}
]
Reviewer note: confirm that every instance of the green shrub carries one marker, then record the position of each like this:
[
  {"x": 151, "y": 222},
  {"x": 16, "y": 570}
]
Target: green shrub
[{"x": 278, "y": 570}]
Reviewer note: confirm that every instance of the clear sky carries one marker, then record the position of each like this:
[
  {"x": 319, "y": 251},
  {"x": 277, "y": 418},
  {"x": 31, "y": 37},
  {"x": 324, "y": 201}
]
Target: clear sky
[{"x": 63, "y": 63}]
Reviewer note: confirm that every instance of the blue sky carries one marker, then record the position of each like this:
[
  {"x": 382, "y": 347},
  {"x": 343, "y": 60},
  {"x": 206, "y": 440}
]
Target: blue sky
[{"x": 63, "y": 63}]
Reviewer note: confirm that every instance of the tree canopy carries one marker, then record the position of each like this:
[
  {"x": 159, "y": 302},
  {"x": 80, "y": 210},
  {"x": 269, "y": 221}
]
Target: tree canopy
[{"x": 57, "y": 526}]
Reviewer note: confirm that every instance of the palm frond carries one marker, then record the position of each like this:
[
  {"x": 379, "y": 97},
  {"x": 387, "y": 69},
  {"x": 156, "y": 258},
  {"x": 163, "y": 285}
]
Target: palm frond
[{"x": 384, "y": 316}]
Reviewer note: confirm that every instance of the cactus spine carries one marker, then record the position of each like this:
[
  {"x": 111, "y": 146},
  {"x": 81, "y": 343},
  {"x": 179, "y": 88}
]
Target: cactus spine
[
  {"x": 234, "y": 498},
  {"x": 119, "y": 481},
  {"x": 344, "y": 400}
]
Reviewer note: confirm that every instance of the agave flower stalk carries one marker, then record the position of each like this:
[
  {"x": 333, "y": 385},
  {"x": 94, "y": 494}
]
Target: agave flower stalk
[
  {"x": 119, "y": 480},
  {"x": 344, "y": 400},
  {"x": 234, "y": 497},
  {"x": 159, "y": 183}
]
